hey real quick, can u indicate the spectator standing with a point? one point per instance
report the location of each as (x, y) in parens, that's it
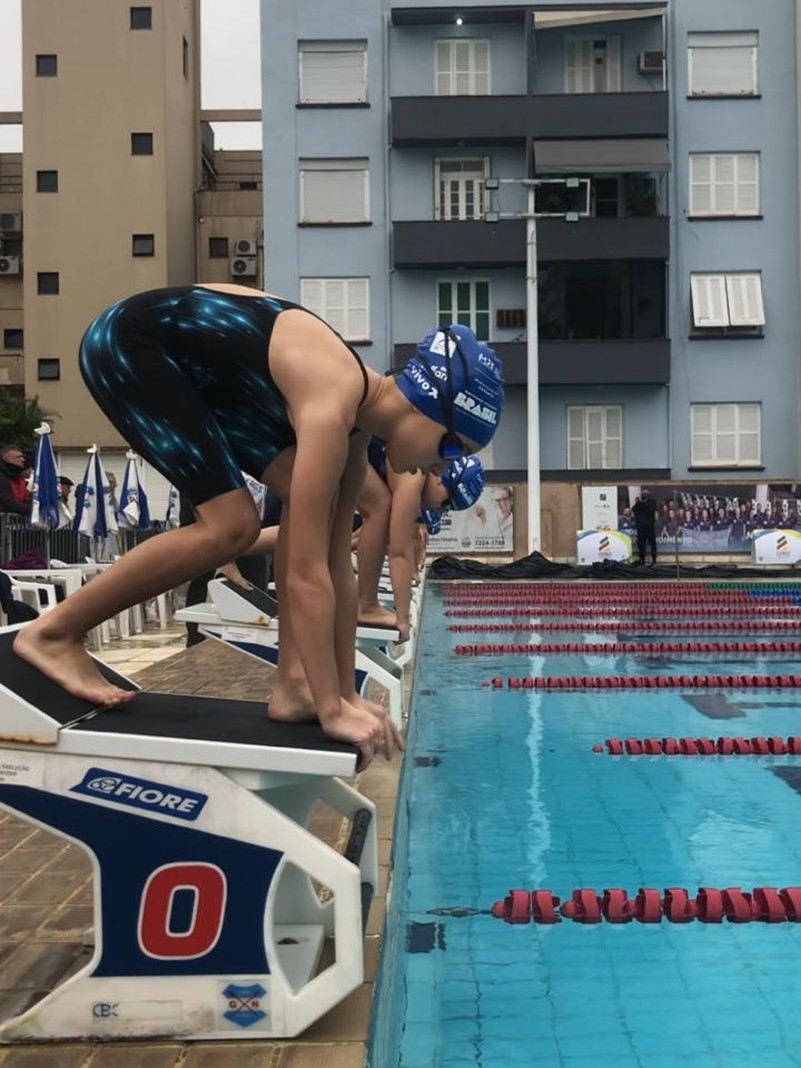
(15, 497)
(644, 512)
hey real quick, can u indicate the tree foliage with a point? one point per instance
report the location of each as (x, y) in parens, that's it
(19, 417)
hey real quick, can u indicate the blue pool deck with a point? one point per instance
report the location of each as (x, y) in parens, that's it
(502, 789)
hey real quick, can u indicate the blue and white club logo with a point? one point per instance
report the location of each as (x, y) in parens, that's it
(103, 785)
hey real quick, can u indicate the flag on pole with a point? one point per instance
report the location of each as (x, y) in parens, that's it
(95, 512)
(133, 511)
(173, 517)
(47, 511)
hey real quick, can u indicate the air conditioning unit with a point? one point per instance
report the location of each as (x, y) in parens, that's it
(243, 266)
(11, 221)
(650, 62)
(245, 248)
(510, 318)
(10, 265)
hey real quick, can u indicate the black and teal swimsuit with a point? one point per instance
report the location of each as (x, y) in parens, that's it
(183, 373)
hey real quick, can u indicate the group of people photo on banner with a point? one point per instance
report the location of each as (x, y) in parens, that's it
(710, 520)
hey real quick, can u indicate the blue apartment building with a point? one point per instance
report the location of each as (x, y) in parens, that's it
(667, 313)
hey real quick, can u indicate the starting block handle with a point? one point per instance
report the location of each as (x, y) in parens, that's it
(353, 852)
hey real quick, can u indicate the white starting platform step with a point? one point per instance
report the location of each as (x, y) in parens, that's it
(247, 621)
(195, 812)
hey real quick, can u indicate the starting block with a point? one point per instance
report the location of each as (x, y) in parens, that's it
(195, 812)
(247, 620)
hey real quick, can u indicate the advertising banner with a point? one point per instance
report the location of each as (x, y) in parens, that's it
(593, 546)
(487, 527)
(598, 507)
(776, 547)
(694, 518)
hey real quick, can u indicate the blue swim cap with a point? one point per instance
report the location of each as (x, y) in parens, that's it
(464, 481)
(457, 381)
(432, 519)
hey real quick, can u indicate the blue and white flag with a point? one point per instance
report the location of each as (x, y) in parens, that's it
(173, 516)
(48, 511)
(133, 509)
(94, 510)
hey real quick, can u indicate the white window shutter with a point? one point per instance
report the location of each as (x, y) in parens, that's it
(311, 295)
(578, 65)
(334, 191)
(442, 73)
(575, 438)
(744, 292)
(613, 64)
(725, 71)
(709, 300)
(747, 184)
(700, 184)
(331, 77)
(723, 184)
(481, 66)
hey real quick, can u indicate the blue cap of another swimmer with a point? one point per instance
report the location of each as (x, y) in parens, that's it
(470, 400)
(464, 481)
(432, 519)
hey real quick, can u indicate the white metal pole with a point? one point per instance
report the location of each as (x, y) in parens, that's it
(532, 377)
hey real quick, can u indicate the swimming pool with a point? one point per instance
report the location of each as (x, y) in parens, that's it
(502, 789)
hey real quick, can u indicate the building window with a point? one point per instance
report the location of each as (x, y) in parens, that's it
(332, 72)
(13, 338)
(722, 64)
(467, 303)
(47, 283)
(344, 303)
(462, 68)
(143, 245)
(248, 186)
(47, 181)
(723, 184)
(459, 188)
(594, 437)
(46, 66)
(218, 248)
(141, 18)
(49, 370)
(727, 304)
(726, 435)
(185, 56)
(592, 64)
(334, 191)
(141, 144)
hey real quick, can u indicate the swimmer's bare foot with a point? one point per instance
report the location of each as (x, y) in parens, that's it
(377, 616)
(291, 702)
(68, 663)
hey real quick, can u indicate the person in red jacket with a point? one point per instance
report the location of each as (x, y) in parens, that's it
(15, 496)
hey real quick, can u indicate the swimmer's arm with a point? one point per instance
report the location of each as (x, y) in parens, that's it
(345, 589)
(406, 492)
(320, 460)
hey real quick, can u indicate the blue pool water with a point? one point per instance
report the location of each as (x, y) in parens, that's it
(501, 789)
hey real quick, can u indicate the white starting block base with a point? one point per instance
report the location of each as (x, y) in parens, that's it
(246, 620)
(207, 922)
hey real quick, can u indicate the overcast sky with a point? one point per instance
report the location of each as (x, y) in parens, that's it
(229, 67)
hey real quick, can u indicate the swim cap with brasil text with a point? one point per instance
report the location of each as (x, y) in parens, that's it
(457, 381)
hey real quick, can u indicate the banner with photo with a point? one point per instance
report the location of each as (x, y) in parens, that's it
(487, 527)
(695, 518)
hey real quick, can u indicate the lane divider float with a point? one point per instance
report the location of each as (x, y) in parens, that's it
(760, 745)
(645, 682)
(532, 649)
(763, 904)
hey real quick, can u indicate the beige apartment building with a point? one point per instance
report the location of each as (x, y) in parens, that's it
(119, 189)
